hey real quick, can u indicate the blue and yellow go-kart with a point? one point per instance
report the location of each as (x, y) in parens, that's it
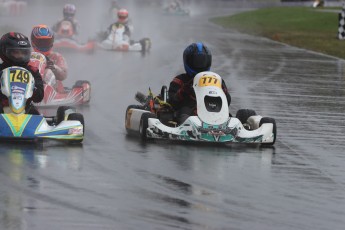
(17, 85)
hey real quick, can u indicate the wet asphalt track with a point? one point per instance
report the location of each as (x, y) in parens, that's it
(116, 182)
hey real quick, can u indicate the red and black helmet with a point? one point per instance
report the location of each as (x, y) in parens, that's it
(15, 49)
(42, 39)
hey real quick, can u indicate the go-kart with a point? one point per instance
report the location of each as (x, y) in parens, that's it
(55, 94)
(17, 84)
(118, 41)
(177, 11)
(65, 40)
(155, 119)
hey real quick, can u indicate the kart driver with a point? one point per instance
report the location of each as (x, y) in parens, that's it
(42, 40)
(122, 18)
(15, 50)
(69, 11)
(196, 58)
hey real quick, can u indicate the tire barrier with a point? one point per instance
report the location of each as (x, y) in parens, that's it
(341, 27)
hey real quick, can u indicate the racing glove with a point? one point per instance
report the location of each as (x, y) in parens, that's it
(50, 64)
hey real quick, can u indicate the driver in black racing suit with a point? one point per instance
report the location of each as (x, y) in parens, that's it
(196, 58)
(15, 50)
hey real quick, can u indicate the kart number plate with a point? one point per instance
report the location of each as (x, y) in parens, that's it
(209, 81)
(19, 75)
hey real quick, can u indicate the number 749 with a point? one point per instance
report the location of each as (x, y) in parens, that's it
(17, 75)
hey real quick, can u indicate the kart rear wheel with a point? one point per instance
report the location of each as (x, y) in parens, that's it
(144, 125)
(81, 84)
(61, 112)
(145, 45)
(77, 117)
(265, 120)
(127, 119)
(244, 114)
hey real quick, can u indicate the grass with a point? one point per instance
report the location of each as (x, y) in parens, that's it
(304, 27)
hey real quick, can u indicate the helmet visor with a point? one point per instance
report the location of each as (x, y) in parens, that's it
(43, 45)
(42, 49)
(200, 62)
(68, 15)
(18, 55)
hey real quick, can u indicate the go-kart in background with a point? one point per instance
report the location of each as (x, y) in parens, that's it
(116, 182)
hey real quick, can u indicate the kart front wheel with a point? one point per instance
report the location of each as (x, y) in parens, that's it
(244, 114)
(269, 120)
(64, 111)
(77, 117)
(144, 124)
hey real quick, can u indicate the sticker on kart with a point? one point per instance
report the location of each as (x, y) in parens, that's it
(208, 80)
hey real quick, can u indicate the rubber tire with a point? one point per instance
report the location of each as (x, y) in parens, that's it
(265, 120)
(163, 90)
(145, 44)
(77, 117)
(60, 114)
(128, 108)
(79, 84)
(244, 114)
(144, 125)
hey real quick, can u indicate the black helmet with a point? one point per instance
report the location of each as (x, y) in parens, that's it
(15, 49)
(196, 58)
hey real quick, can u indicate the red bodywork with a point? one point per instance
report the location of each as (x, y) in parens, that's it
(70, 44)
(55, 94)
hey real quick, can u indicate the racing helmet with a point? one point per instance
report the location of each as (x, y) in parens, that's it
(122, 15)
(42, 39)
(15, 49)
(196, 58)
(69, 11)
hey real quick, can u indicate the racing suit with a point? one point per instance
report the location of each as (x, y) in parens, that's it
(182, 96)
(117, 37)
(37, 95)
(58, 65)
(128, 28)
